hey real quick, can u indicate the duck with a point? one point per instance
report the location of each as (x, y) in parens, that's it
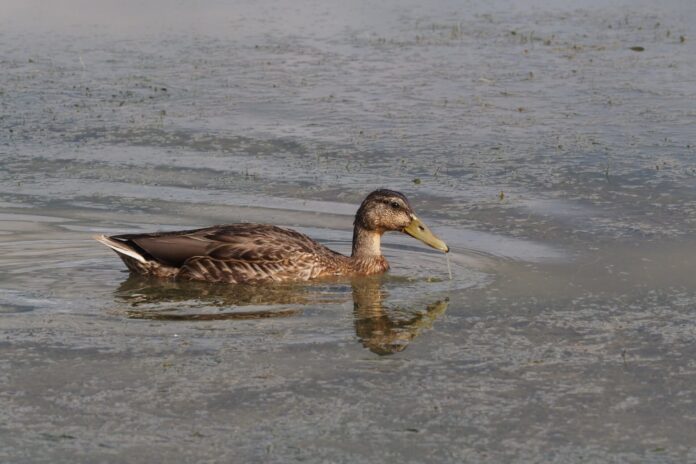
(246, 253)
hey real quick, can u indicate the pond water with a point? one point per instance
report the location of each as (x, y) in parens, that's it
(550, 144)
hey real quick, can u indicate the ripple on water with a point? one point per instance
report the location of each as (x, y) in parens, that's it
(12, 301)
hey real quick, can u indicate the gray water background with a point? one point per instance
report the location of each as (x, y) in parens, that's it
(555, 158)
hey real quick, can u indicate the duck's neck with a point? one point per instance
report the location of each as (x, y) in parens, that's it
(367, 254)
(366, 243)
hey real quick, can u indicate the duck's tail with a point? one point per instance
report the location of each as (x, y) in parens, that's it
(134, 260)
(120, 247)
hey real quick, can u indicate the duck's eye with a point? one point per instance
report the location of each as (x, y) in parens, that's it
(395, 205)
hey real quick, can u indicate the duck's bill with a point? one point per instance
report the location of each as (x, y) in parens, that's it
(417, 229)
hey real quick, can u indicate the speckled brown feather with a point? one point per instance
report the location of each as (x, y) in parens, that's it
(235, 253)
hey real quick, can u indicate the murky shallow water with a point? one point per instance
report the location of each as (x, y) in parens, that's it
(555, 161)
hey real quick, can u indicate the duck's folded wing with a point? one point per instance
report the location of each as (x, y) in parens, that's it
(261, 243)
(245, 242)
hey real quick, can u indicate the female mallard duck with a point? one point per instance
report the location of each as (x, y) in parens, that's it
(255, 253)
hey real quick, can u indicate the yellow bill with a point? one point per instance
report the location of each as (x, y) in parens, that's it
(417, 229)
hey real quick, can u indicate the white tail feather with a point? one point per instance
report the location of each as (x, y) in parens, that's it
(119, 247)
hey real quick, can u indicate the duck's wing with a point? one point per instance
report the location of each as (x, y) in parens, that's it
(254, 242)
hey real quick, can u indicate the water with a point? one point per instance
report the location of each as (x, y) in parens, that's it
(555, 161)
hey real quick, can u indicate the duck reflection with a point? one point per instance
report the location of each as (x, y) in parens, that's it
(150, 298)
(386, 329)
(381, 327)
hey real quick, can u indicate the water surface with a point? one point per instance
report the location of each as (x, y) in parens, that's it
(554, 158)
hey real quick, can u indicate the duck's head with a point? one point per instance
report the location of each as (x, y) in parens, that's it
(386, 210)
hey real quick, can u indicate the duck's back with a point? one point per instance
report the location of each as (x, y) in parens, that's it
(235, 253)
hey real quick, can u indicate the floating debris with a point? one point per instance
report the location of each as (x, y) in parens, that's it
(638, 49)
(417, 181)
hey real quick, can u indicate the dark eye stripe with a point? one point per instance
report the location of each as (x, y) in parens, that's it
(395, 205)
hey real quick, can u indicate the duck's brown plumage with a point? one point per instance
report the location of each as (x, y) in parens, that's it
(253, 253)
